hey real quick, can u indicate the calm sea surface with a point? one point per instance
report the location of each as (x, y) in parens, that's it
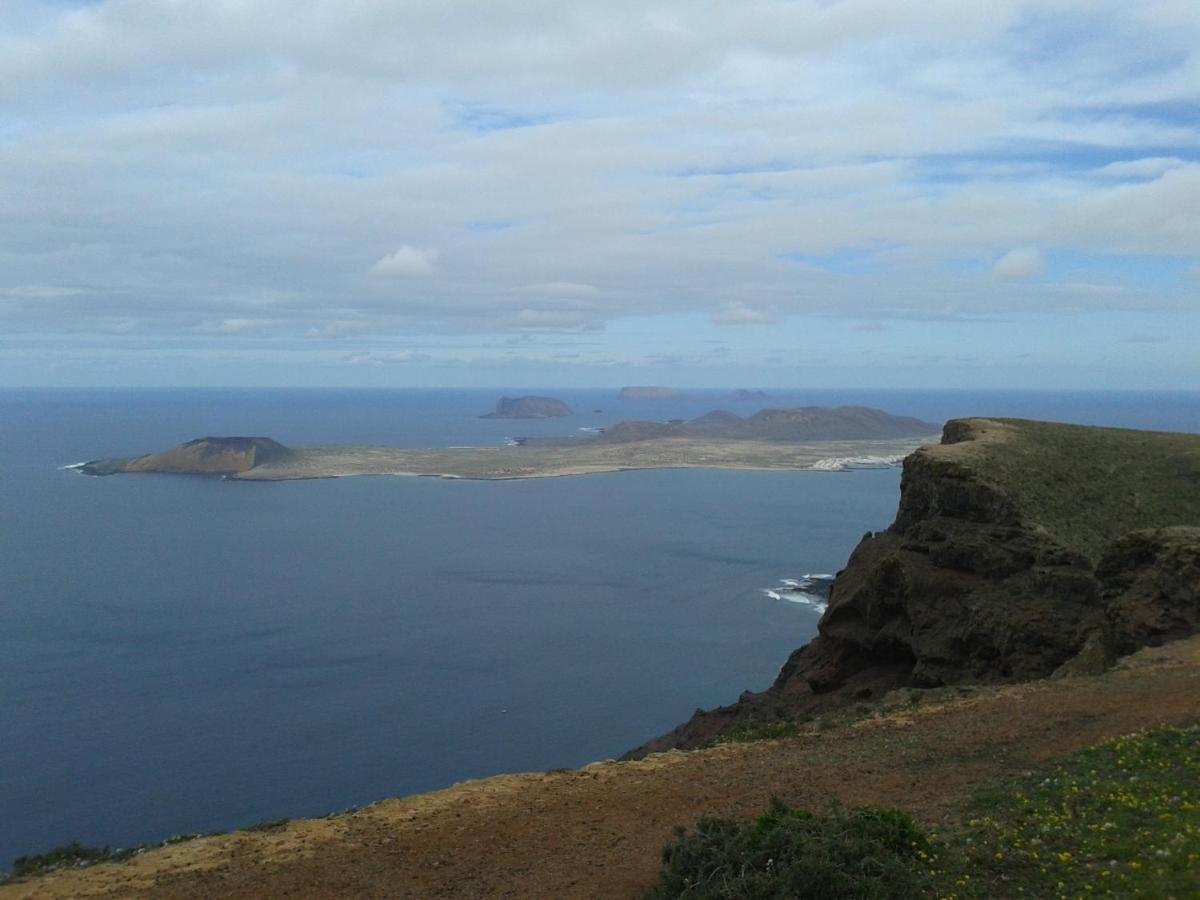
(186, 654)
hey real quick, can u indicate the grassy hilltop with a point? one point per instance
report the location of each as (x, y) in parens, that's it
(1086, 485)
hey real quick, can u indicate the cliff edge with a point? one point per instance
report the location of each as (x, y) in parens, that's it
(1020, 550)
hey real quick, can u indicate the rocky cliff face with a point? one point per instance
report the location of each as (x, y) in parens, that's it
(990, 571)
(203, 456)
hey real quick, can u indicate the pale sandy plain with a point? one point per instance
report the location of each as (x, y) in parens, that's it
(543, 461)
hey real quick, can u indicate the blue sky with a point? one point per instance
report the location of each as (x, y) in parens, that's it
(859, 193)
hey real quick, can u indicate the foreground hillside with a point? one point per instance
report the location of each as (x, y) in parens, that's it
(597, 832)
(1019, 549)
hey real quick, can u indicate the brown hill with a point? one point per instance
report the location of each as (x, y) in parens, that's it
(203, 456)
(630, 430)
(842, 423)
(800, 425)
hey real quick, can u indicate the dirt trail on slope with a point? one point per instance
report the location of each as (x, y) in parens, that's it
(597, 832)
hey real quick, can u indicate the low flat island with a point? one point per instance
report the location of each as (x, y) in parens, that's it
(800, 439)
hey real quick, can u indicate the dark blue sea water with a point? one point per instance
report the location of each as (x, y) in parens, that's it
(185, 654)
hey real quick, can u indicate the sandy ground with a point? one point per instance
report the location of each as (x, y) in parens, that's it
(539, 461)
(596, 832)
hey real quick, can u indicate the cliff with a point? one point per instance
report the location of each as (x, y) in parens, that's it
(203, 456)
(1020, 550)
(528, 408)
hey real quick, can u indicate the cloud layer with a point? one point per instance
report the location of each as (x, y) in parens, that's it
(360, 168)
(1024, 262)
(406, 262)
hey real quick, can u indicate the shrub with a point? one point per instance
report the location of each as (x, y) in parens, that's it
(873, 854)
(749, 733)
(72, 854)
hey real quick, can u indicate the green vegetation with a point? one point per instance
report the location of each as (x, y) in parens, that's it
(72, 854)
(76, 855)
(1089, 485)
(1121, 819)
(746, 734)
(268, 825)
(874, 854)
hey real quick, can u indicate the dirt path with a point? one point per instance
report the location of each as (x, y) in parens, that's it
(596, 832)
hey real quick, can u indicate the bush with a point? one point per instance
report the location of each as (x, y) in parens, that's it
(746, 734)
(873, 854)
(72, 854)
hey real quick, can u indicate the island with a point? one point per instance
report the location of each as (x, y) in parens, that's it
(804, 438)
(528, 408)
(743, 395)
(647, 392)
(657, 392)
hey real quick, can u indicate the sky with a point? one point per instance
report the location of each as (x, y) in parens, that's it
(764, 193)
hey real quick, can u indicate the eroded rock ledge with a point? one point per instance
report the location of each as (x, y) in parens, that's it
(1020, 549)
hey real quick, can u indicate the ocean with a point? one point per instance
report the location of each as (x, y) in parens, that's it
(182, 654)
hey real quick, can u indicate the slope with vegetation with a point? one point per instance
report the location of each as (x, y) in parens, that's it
(598, 832)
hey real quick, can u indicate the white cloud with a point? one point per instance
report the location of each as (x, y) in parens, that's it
(1024, 262)
(738, 313)
(565, 289)
(550, 318)
(239, 326)
(386, 358)
(406, 262)
(1147, 167)
(577, 164)
(39, 292)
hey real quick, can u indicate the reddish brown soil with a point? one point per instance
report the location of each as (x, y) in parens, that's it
(596, 832)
